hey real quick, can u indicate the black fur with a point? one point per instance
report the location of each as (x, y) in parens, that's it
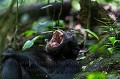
(37, 63)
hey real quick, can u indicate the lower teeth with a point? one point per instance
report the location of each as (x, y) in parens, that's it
(54, 44)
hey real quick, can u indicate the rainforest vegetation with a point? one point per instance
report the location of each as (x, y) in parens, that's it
(59, 39)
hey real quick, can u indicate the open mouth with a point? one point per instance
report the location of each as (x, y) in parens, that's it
(56, 39)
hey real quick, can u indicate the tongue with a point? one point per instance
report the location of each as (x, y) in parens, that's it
(55, 44)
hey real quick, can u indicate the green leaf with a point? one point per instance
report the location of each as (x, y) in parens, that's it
(112, 40)
(96, 75)
(29, 32)
(103, 49)
(110, 50)
(37, 37)
(81, 58)
(93, 48)
(83, 68)
(28, 44)
(92, 33)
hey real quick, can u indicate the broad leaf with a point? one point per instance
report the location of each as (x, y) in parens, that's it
(29, 32)
(92, 33)
(37, 37)
(110, 50)
(112, 40)
(96, 75)
(28, 44)
(93, 48)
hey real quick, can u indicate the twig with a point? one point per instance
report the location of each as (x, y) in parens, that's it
(16, 28)
(60, 13)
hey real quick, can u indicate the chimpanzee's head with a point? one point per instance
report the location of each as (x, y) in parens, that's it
(63, 43)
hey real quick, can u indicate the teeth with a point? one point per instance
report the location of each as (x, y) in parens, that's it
(49, 44)
(54, 44)
(56, 39)
(61, 35)
(58, 32)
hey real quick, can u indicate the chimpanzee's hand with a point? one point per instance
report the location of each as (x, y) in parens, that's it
(9, 52)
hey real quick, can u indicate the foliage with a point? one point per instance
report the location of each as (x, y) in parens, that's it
(30, 43)
(45, 24)
(4, 4)
(112, 44)
(92, 33)
(29, 33)
(96, 75)
(101, 53)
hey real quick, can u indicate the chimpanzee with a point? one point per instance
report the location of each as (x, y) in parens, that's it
(56, 61)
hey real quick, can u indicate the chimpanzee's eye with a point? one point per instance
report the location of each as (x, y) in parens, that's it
(70, 34)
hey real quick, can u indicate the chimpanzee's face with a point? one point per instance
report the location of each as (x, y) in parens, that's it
(58, 39)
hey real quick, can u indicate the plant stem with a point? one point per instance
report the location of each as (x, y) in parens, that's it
(89, 14)
(54, 11)
(48, 13)
(16, 28)
(60, 13)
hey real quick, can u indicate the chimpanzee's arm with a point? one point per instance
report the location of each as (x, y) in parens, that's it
(11, 69)
(61, 54)
(27, 62)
